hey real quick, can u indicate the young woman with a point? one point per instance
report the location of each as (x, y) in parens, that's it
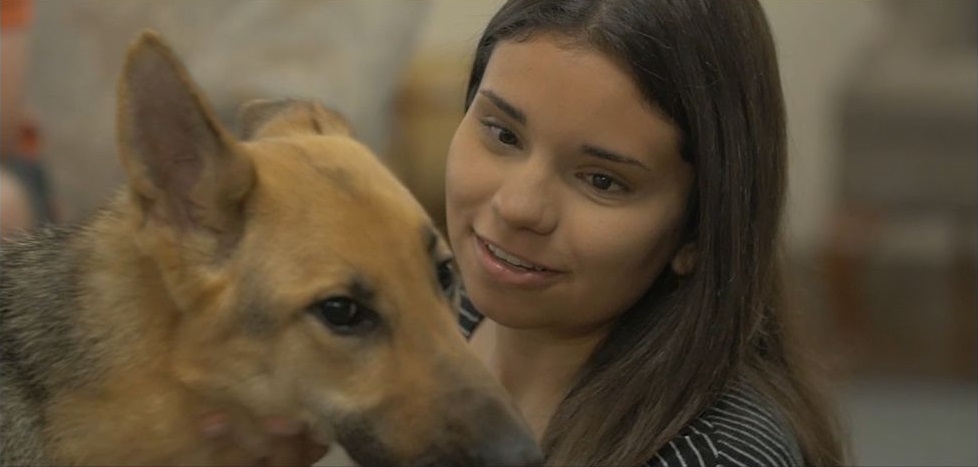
(614, 198)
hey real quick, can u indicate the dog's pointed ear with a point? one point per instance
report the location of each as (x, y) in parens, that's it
(264, 118)
(183, 167)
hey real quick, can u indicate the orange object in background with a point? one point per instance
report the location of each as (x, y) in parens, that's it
(15, 13)
(20, 143)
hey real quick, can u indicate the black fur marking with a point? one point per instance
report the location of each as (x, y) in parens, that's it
(43, 349)
(361, 291)
(338, 177)
(316, 126)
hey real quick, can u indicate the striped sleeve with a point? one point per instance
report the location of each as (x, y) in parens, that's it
(468, 317)
(750, 432)
(694, 448)
(738, 430)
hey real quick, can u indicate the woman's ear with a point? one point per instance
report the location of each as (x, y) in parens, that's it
(684, 261)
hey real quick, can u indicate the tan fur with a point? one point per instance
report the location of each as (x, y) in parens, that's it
(196, 285)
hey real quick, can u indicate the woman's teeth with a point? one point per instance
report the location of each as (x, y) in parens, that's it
(508, 258)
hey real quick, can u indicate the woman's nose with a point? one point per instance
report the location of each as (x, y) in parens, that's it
(525, 200)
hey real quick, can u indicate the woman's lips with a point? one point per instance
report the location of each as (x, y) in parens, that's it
(506, 268)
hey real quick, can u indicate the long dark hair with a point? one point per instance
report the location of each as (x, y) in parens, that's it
(711, 66)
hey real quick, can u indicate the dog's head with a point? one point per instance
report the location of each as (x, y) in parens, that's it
(307, 280)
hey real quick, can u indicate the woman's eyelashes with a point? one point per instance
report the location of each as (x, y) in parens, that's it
(500, 135)
(603, 183)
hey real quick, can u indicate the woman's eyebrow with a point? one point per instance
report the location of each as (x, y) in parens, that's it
(509, 109)
(611, 156)
(519, 116)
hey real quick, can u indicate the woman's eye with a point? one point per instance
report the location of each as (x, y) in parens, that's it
(344, 315)
(502, 135)
(602, 182)
(508, 138)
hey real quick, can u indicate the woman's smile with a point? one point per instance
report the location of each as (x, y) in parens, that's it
(510, 269)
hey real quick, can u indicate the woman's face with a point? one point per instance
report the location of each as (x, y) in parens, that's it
(566, 192)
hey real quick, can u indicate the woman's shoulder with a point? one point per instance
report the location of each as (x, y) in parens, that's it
(740, 429)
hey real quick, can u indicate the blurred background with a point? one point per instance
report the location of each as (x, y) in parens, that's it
(882, 100)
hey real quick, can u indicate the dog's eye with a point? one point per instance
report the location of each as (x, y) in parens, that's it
(446, 275)
(345, 316)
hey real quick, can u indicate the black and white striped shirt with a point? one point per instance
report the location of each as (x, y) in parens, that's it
(739, 429)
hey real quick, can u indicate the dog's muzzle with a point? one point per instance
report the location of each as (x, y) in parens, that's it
(475, 430)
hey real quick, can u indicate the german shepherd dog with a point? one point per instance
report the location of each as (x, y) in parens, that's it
(283, 271)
